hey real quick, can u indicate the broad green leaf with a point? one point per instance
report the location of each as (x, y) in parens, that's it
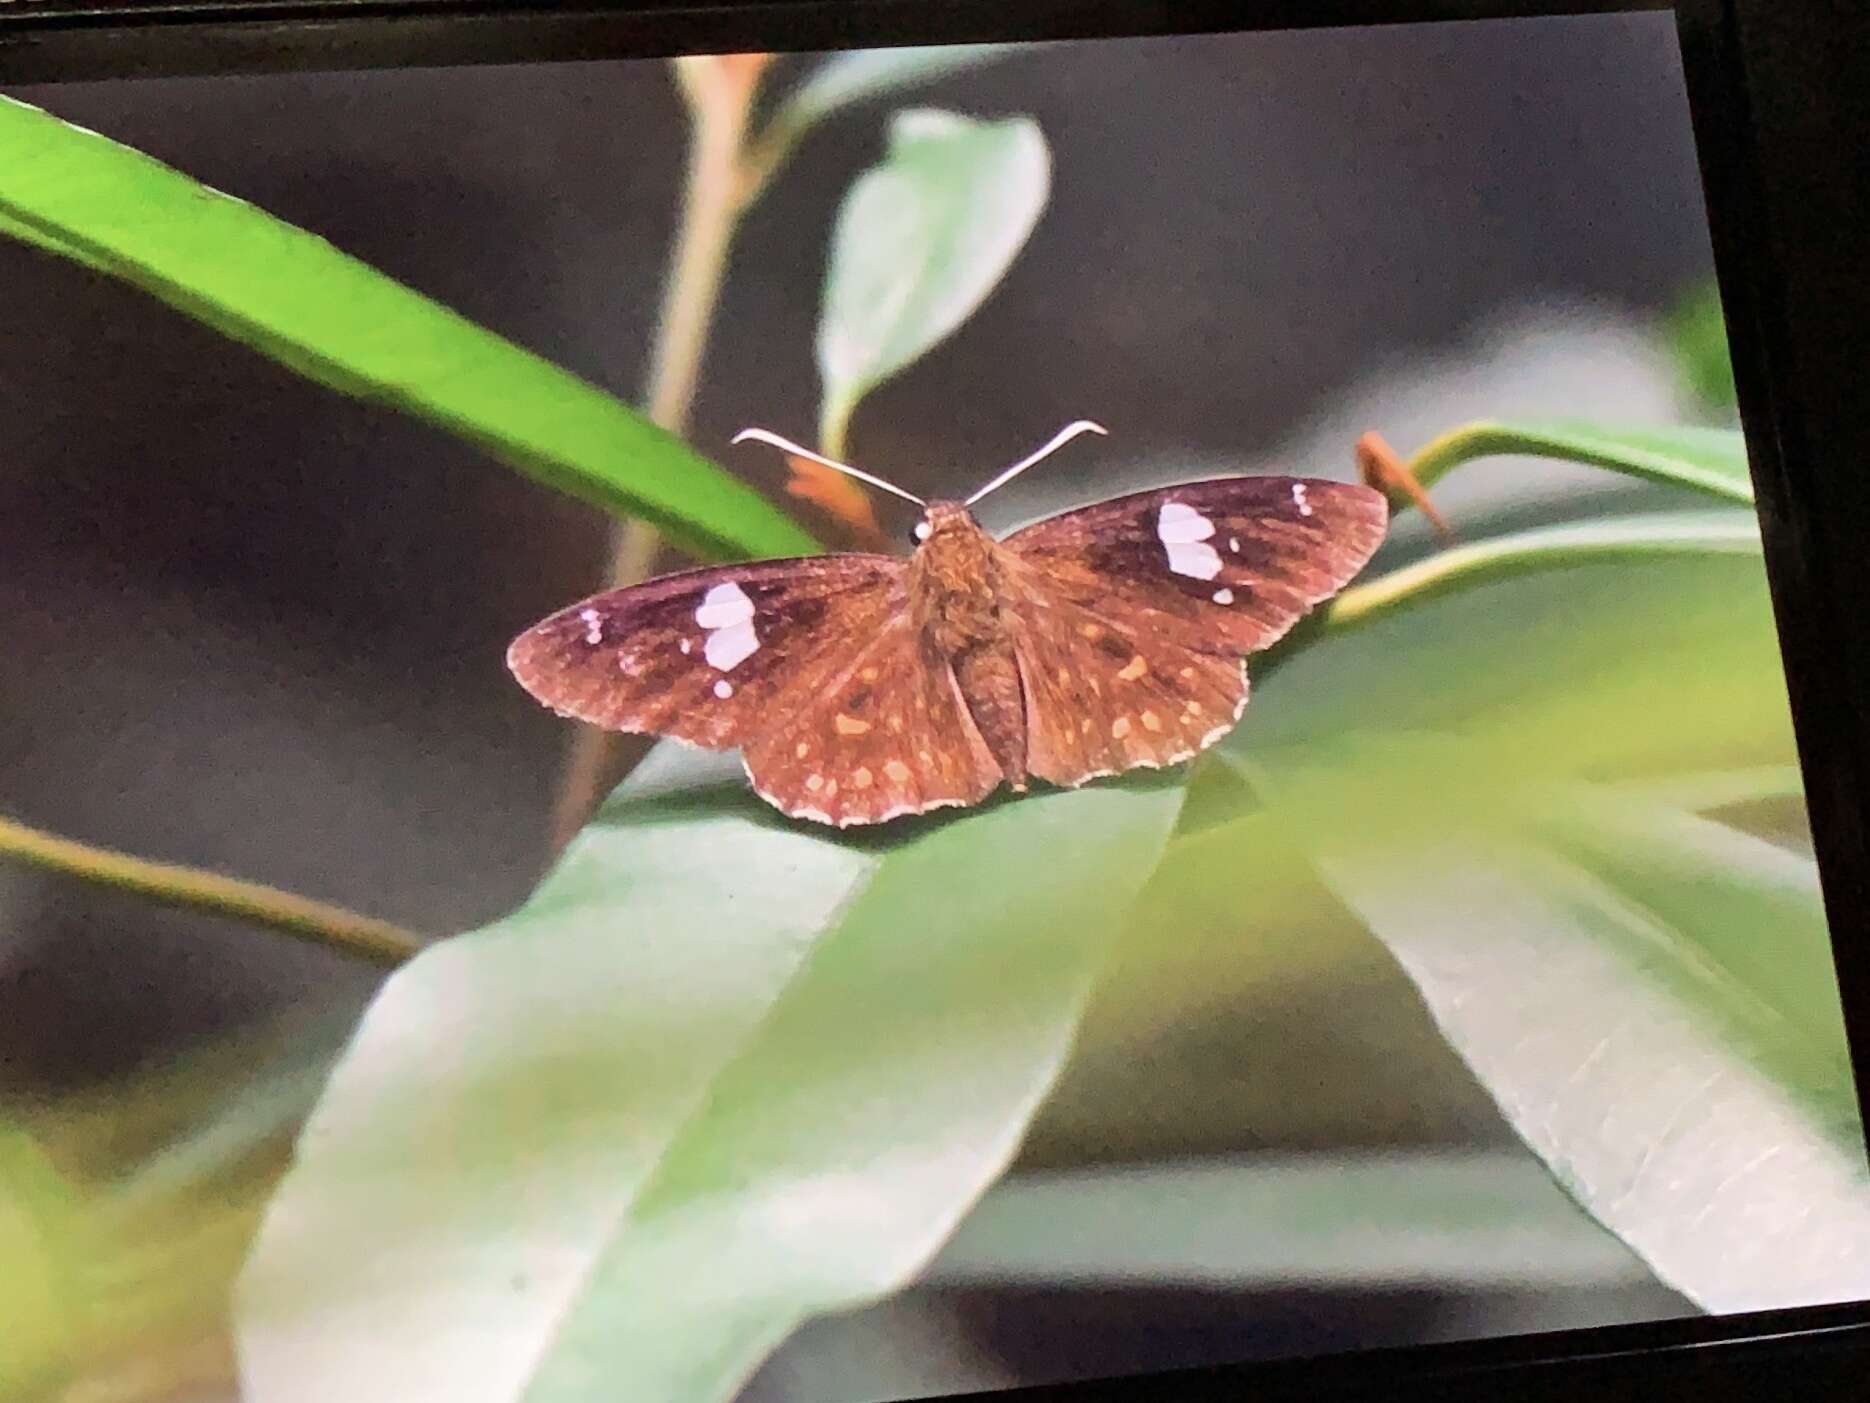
(1705, 460)
(1675, 1103)
(295, 298)
(38, 1246)
(1462, 1220)
(921, 240)
(723, 1071)
(1646, 993)
(1749, 910)
(848, 79)
(1610, 668)
(1270, 988)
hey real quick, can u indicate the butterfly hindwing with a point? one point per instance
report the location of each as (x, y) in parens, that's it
(705, 655)
(887, 733)
(1101, 699)
(1130, 618)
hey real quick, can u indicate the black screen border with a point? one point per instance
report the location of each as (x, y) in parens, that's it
(1779, 93)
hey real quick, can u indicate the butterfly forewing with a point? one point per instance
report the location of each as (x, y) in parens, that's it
(705, 655)
(1224, 566)
(1130, 617)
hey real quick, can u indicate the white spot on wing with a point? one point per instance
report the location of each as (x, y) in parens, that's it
(724, 606)
(1298, 499)
(1177, 523)
(1196, 559)
(1223, 596)
(730, 646)
(593, 626)
(727, 614)
(687, 647)
(723, 689)
(1184, 533)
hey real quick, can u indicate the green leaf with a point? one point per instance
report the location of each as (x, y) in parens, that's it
(722, 1072)
(1705, 460)
(1460, 1220)
(1697, 335)
(38, 1242)
(295, 298)
(1646, 993)
(852, 78)
(1660, 1082)
(921, 240)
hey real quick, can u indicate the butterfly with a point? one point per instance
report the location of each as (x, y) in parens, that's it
(860, 687)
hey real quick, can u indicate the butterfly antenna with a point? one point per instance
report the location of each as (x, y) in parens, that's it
(788, 446)
(1059, 439)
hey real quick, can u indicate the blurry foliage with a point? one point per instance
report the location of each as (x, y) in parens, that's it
(126, 1213)
(1696, 333)
(37, 1217)
(921, 240)
(723, 1071)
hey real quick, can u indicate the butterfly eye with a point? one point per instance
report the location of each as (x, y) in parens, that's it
(920, 534)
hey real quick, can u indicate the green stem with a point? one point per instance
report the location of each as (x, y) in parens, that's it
(190, 889)
(1484, 438)
(1548, 548)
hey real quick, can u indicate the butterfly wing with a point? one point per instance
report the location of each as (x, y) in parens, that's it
(886, 734)
(810, 666)
(704, 655)
(1131, 617)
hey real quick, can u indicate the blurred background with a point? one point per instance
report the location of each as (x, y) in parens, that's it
(254, 626)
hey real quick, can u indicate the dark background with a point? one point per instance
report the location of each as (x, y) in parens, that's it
(251, 625)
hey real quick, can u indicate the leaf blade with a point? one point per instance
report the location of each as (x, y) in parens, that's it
(1670, 1079)
(851, 78)
(749, 937)
(921, 240)
(1710, 461)
(1726, 1144)
(297, 299)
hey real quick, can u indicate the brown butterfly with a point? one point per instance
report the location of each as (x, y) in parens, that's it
(860, 687)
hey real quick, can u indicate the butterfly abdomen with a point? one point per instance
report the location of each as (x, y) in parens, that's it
(956, 591)
(990, 684)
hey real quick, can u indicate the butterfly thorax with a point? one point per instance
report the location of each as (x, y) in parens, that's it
(957, 585)
(954, 582)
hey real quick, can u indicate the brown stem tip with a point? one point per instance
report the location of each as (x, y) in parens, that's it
(1383, 468)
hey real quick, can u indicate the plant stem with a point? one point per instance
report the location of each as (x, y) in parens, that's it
(719, 93)
(190, 889)
(1544, 548)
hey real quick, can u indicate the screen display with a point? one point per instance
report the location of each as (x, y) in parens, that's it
(821, 727)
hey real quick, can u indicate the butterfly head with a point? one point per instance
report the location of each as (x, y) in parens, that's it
(943, 519)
